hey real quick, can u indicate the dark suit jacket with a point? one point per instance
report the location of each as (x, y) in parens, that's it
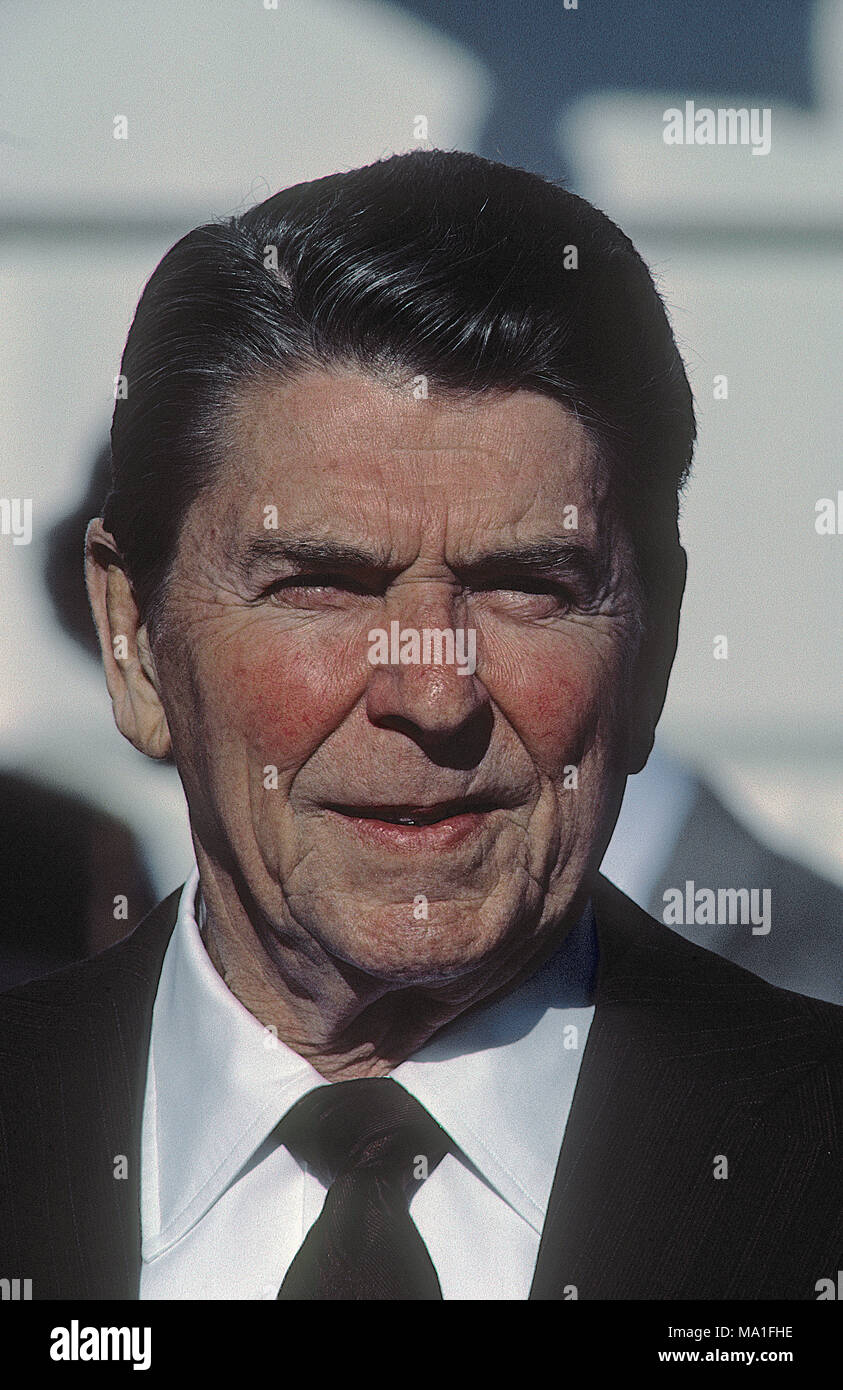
(690, 1060)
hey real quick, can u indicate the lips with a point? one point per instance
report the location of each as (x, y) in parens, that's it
(412, 814)
(409, 827)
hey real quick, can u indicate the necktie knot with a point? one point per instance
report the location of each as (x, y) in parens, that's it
(368, 1124)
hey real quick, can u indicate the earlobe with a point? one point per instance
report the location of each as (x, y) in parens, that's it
(127, 659)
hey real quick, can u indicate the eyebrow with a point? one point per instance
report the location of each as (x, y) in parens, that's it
(545, 556)
(264, 552)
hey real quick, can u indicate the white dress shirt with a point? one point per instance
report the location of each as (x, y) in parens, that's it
(225, 1207)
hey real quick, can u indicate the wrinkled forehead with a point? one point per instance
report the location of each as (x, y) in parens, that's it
(341, 453)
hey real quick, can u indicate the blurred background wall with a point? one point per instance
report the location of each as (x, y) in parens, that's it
(224, 101)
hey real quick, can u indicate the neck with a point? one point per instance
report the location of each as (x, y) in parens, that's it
(345, 1023)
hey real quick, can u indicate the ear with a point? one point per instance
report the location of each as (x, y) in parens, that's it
(126, 655)
(655, 661)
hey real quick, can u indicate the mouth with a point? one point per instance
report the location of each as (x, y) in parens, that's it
(411, 826)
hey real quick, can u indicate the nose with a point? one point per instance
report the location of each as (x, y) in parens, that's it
(435, 701)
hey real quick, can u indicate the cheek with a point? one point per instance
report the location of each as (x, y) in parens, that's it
(284, 700)
(558, 704)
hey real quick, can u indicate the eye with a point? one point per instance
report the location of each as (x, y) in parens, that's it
(534, 596)
(304, 590)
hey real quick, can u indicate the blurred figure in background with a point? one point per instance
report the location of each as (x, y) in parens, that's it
(674, 829)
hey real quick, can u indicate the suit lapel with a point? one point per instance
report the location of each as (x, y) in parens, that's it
(75, 1085)
(683, 1059)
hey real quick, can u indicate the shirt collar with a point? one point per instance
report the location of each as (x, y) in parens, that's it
(501, 1078)
(218, 1081)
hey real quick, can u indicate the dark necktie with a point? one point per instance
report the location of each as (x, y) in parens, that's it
(374, 1143)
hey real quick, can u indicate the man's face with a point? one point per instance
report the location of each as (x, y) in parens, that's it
(345, 506)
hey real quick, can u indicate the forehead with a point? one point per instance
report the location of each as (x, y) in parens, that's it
(342, 447)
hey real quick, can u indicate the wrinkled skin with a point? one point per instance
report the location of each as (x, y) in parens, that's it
(261, 663)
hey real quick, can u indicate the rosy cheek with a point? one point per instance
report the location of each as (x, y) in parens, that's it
(553, 708)
(283, 703)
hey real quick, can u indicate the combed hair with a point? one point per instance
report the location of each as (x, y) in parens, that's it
(433, 263)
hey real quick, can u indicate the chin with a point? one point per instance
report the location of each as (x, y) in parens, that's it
(395, 946)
